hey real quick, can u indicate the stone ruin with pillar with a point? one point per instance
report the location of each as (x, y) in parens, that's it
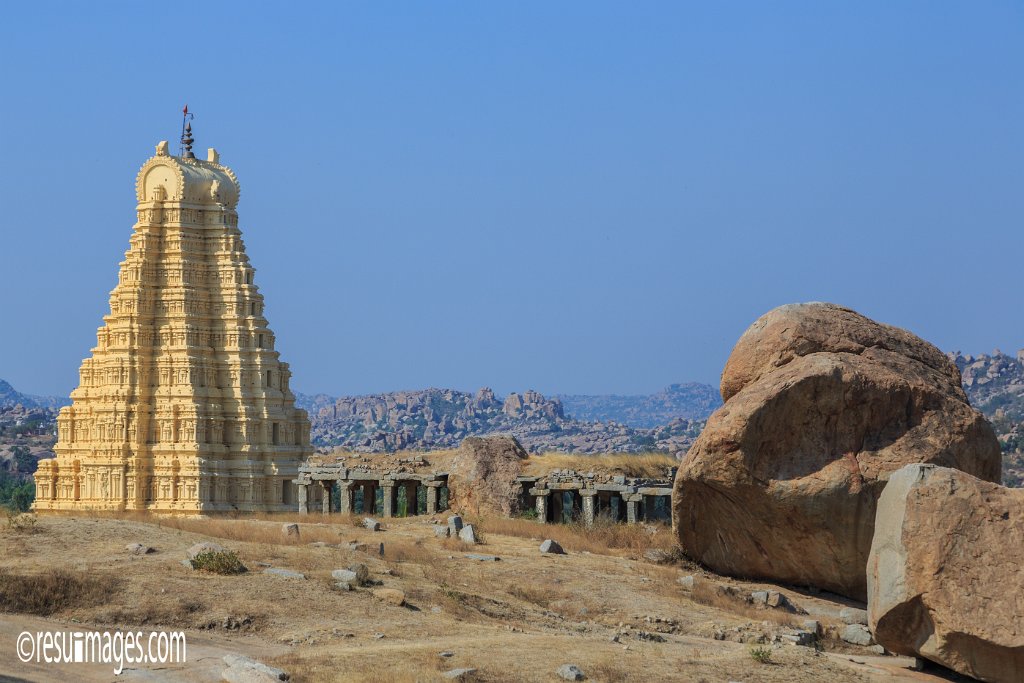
(184, 405)
(407, 488)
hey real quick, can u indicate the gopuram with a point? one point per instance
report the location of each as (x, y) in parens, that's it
(184, 405)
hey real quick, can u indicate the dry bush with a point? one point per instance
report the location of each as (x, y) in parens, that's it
(154, 610)
(224, 562)
(53, 590)
(415, 552)
(628, 464)
(540, 594)
(21, 522)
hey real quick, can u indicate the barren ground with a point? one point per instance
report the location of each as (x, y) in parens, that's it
(517, 619)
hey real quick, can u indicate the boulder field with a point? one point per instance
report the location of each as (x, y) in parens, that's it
(944, 577)
(821, 405)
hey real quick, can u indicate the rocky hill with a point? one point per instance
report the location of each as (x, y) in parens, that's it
(995, 386)
(10, 397)
(692, 401)
(441, 418)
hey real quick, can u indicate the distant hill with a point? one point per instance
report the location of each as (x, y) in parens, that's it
(440, 418)
(9, 397)
(691, 401)
(995, 386)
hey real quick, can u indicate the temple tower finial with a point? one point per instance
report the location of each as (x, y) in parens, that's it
(186, 134)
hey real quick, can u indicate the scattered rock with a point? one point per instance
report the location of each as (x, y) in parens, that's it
(822, 405)
(392, 596)
(454, 525)
(467, 534)
(284, 573)
(345, 575)
(686, 582)
(658, 556)
(343, 586)
(877, 649)
(944, 572)
(570, 672)
(442, 531)
(551, 547)
(812, 625)
(362, 573)
(458, 674)
(856, 634)
(446, 654)
(371, 524)
(204, 547)
(852, 615)
(138, 549)
(247, 670)
(482, 558)
(482, 477)
(290, 529)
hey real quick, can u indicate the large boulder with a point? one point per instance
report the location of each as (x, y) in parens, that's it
(944, 578)
(822, 404)
(482, 476)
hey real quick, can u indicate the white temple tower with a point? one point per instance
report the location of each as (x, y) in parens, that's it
(184, 406)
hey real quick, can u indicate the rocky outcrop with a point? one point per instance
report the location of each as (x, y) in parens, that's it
(691, 401)
(441, 418)
(482, 477)
(944, 578)
(822, 404)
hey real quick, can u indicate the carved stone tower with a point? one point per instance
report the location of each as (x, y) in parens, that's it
(184, 405)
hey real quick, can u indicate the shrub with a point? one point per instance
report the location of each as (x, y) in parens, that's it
(53, 590)
(219, 562)
(21, 522)
(761, 655)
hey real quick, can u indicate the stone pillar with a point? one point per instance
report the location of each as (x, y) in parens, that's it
(589, 507)
(432, 500)
(303, 490)
(632, 510)
(369, 498)
(542, 505)
(326, 503)
(389, 499)
(345, 489)
(412, 503)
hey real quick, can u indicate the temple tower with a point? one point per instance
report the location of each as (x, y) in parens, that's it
(184, 406)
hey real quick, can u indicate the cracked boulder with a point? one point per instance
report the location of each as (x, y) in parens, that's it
(944, 578)
(821, 406)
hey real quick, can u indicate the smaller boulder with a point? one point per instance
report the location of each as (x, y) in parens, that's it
(467, 534)
(455, 525)
(857, 634)
(551, 547)
(852, 615)
(290, 530)
(138, 549)
(371, 524)
(482, 558)
(570, 672)
(458, 674)
(442, 531)
(686, 582)
(245, 669)
(392, 596)
(345, 575)
(362, 573)
(284, 573)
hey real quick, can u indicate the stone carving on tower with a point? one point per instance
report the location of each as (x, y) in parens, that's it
(184, 406)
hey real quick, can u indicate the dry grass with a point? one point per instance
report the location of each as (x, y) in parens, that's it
(53, 590)
(628, 464)
(604, 537)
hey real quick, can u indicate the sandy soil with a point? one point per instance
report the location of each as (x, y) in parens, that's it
(517, 619)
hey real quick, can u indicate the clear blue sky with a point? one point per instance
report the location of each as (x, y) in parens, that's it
(572, 197)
